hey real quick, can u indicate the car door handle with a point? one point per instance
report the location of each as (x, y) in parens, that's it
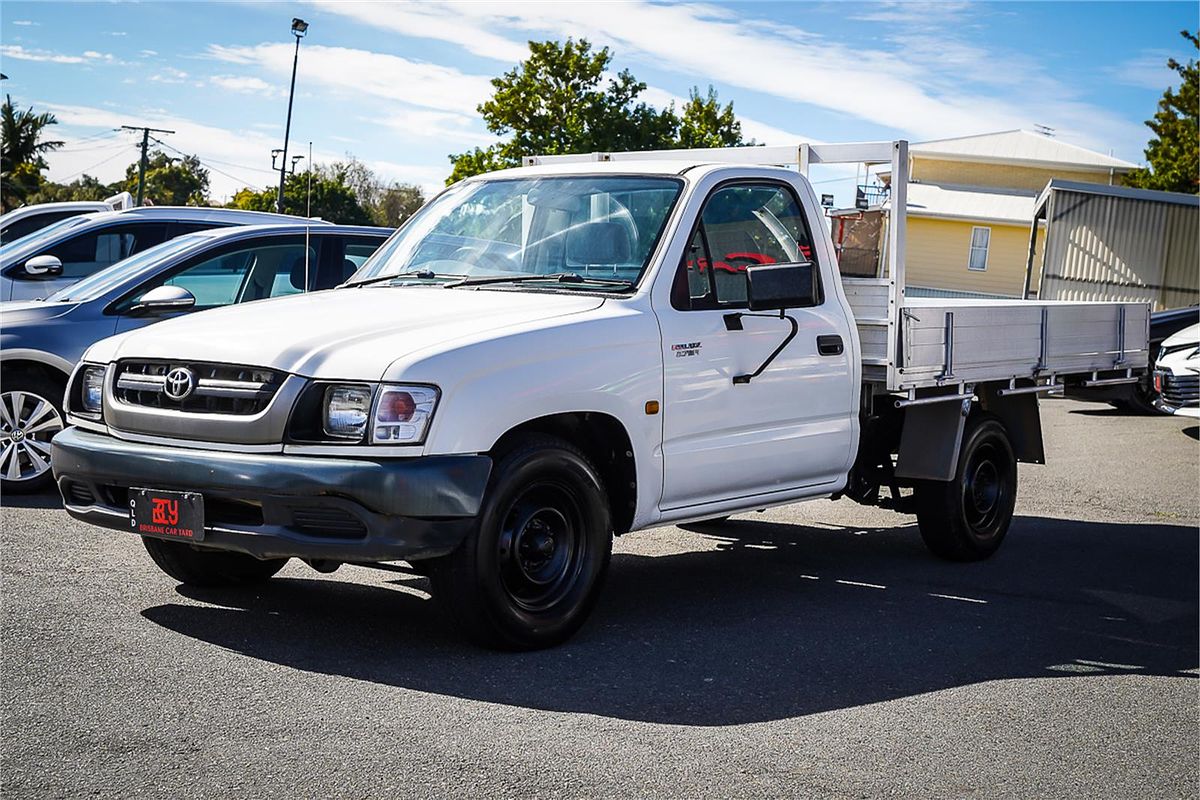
(829, 345)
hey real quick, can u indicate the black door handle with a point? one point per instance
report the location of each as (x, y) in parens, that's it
(829, 345)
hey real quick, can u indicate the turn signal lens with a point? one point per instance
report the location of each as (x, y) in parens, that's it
(92, 395)
(347, 409)
(402, 414)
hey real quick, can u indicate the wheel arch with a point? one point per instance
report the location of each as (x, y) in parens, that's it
(605, 441)
(47, 365)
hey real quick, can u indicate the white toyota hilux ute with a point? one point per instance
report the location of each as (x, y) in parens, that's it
(547, 356)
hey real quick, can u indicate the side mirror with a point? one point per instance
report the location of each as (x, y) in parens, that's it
(43, 267)
(775, 287)
(162, 299)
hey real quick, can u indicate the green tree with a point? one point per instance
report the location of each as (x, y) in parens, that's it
(170, 181)
(705, 123)
(1174, 150)
(332, 198)
(83, 188)
(559, 101)
(396, 203)
(22, 152)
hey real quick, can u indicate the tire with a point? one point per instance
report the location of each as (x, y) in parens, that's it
(197, 567)
(967, 518)
(529, 574)
(30, 415)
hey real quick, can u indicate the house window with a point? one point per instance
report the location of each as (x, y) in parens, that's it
(980, 238)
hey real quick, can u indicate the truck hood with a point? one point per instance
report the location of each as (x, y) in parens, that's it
(346, 333)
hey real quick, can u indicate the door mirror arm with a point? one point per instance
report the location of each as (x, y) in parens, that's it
(733, 322)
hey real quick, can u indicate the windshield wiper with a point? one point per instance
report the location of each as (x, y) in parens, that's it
(423, 274)
(558, 277)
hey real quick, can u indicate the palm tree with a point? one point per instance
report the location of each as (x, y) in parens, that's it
(22, 151)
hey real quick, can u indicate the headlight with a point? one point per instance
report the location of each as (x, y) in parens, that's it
(92, 389)
(347, 409)
(402, 414)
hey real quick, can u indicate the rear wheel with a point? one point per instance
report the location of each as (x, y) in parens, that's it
(967, 518)
(30, 416)
(197, 567)
(529, 574)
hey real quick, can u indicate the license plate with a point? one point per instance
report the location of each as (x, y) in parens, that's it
(170, 515)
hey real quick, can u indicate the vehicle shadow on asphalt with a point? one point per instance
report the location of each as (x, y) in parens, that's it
(47, 498)
(777, 621)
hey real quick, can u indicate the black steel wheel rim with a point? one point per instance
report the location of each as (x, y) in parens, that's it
(985, 489)
(541, 548)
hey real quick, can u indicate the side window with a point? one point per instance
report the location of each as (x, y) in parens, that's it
(980, 239)
(92, 251)
(740, 226)
(247, 273)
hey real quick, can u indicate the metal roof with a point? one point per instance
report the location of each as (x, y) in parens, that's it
(948, 201)
(1018, 146)
(1127, 192)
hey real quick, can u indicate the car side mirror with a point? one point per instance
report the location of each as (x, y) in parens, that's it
(44, 266)
(162, 299)
(775, 287)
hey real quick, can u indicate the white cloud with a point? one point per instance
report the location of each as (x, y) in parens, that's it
(903, 82)
(169, 75)
(18, 52)
(378, 74)
(430, 22)
(234, 158)
(148, 53)
(117, 33)
(1146, 71)
(25, 22)
(243, 84)
(443, 126)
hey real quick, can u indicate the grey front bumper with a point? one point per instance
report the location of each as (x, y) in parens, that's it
(275, 505)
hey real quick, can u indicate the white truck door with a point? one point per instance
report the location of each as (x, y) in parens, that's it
(790, 427)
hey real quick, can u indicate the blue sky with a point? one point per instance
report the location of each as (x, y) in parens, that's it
(397, 84)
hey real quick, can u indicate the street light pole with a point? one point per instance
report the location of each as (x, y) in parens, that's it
(299, 29)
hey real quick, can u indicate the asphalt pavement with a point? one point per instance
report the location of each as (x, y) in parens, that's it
(809, 651)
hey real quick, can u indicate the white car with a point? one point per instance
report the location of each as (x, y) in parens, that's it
(30, 219)
(544, 357)
(1177, 374)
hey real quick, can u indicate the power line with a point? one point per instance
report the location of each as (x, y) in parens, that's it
(207, 162)
(93, 166)
(142, 164)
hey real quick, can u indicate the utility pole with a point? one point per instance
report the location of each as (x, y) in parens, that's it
(145, 161)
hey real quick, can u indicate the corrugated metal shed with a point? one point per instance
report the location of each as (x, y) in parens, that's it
(1118, 244)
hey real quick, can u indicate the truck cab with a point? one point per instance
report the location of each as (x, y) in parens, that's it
(540, 359)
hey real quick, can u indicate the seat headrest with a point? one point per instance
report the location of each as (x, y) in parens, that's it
(598, 244)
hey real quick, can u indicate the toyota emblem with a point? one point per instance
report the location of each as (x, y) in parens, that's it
(179, 383)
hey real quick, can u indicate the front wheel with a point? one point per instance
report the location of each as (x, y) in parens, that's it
(30, 416)
(529, 574)
(198, 567)
(966, 519)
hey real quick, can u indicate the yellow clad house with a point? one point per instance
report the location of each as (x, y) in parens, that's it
(971, 205)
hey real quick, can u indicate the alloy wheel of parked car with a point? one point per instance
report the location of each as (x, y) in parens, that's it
(28, 420)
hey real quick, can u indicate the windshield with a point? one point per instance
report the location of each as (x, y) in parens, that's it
(100, 283)
(49, 230)
(602, 229)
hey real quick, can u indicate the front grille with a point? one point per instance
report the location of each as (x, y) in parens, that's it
(1180, 390)
(332, 523)
(216, 388)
